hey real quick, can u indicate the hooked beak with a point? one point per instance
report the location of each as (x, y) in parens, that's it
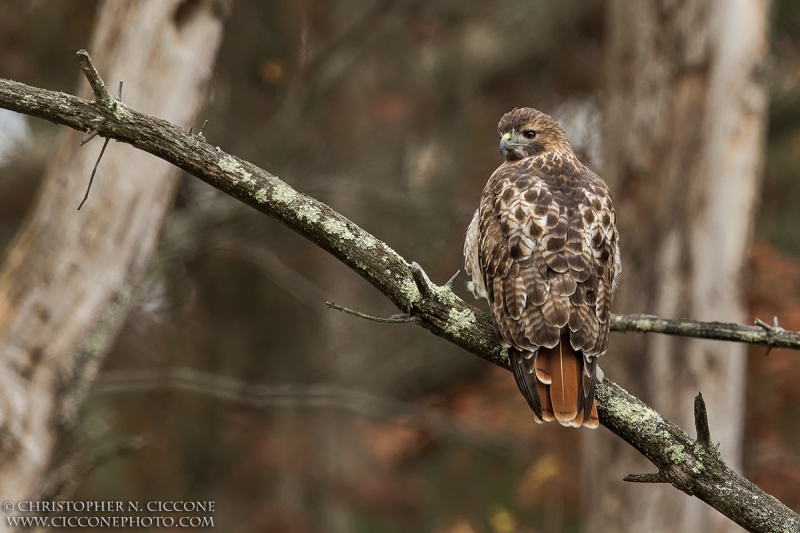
(505, 145)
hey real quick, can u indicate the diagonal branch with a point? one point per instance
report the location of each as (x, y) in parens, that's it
(682, 461)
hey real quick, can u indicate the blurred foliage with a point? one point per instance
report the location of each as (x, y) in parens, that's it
(386, 110)
(772, 449)
(779, 218)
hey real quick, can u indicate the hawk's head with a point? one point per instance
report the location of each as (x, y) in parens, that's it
(525, 132)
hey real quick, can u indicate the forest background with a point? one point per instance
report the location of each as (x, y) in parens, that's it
(387, 112)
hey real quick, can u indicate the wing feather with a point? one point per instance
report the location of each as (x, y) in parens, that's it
(472, 263)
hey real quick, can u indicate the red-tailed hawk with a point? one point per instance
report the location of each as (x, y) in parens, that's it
(542, 248)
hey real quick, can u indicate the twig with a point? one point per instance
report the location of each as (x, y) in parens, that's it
(421, 279)
(93, 77)
(771, 330)
(394, 319)
(94, 171)
(101, 95)
(92, 135)
(763, 325)
(701, 422)
(645, 478)
(452, 280)
(763, 334)
(202, 129)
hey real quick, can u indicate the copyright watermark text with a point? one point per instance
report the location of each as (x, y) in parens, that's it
(109, 514)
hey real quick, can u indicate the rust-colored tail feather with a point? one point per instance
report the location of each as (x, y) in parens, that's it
(565, 370)
(544, 397)
(558, 383)
(592, 421)
(542, 366)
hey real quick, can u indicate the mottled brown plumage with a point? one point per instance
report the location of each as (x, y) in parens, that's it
(542, 248)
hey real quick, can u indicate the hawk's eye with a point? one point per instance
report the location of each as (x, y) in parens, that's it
(530, 134)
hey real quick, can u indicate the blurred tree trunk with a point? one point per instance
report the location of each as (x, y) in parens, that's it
(67, 280)
(685, 122)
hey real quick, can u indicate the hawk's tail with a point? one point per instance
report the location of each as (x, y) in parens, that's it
(559, 383)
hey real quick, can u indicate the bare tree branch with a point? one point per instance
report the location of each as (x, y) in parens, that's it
(771, 336)
(682, 461)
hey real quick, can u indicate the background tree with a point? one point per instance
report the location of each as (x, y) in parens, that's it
(70, 276)
(685, 123)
